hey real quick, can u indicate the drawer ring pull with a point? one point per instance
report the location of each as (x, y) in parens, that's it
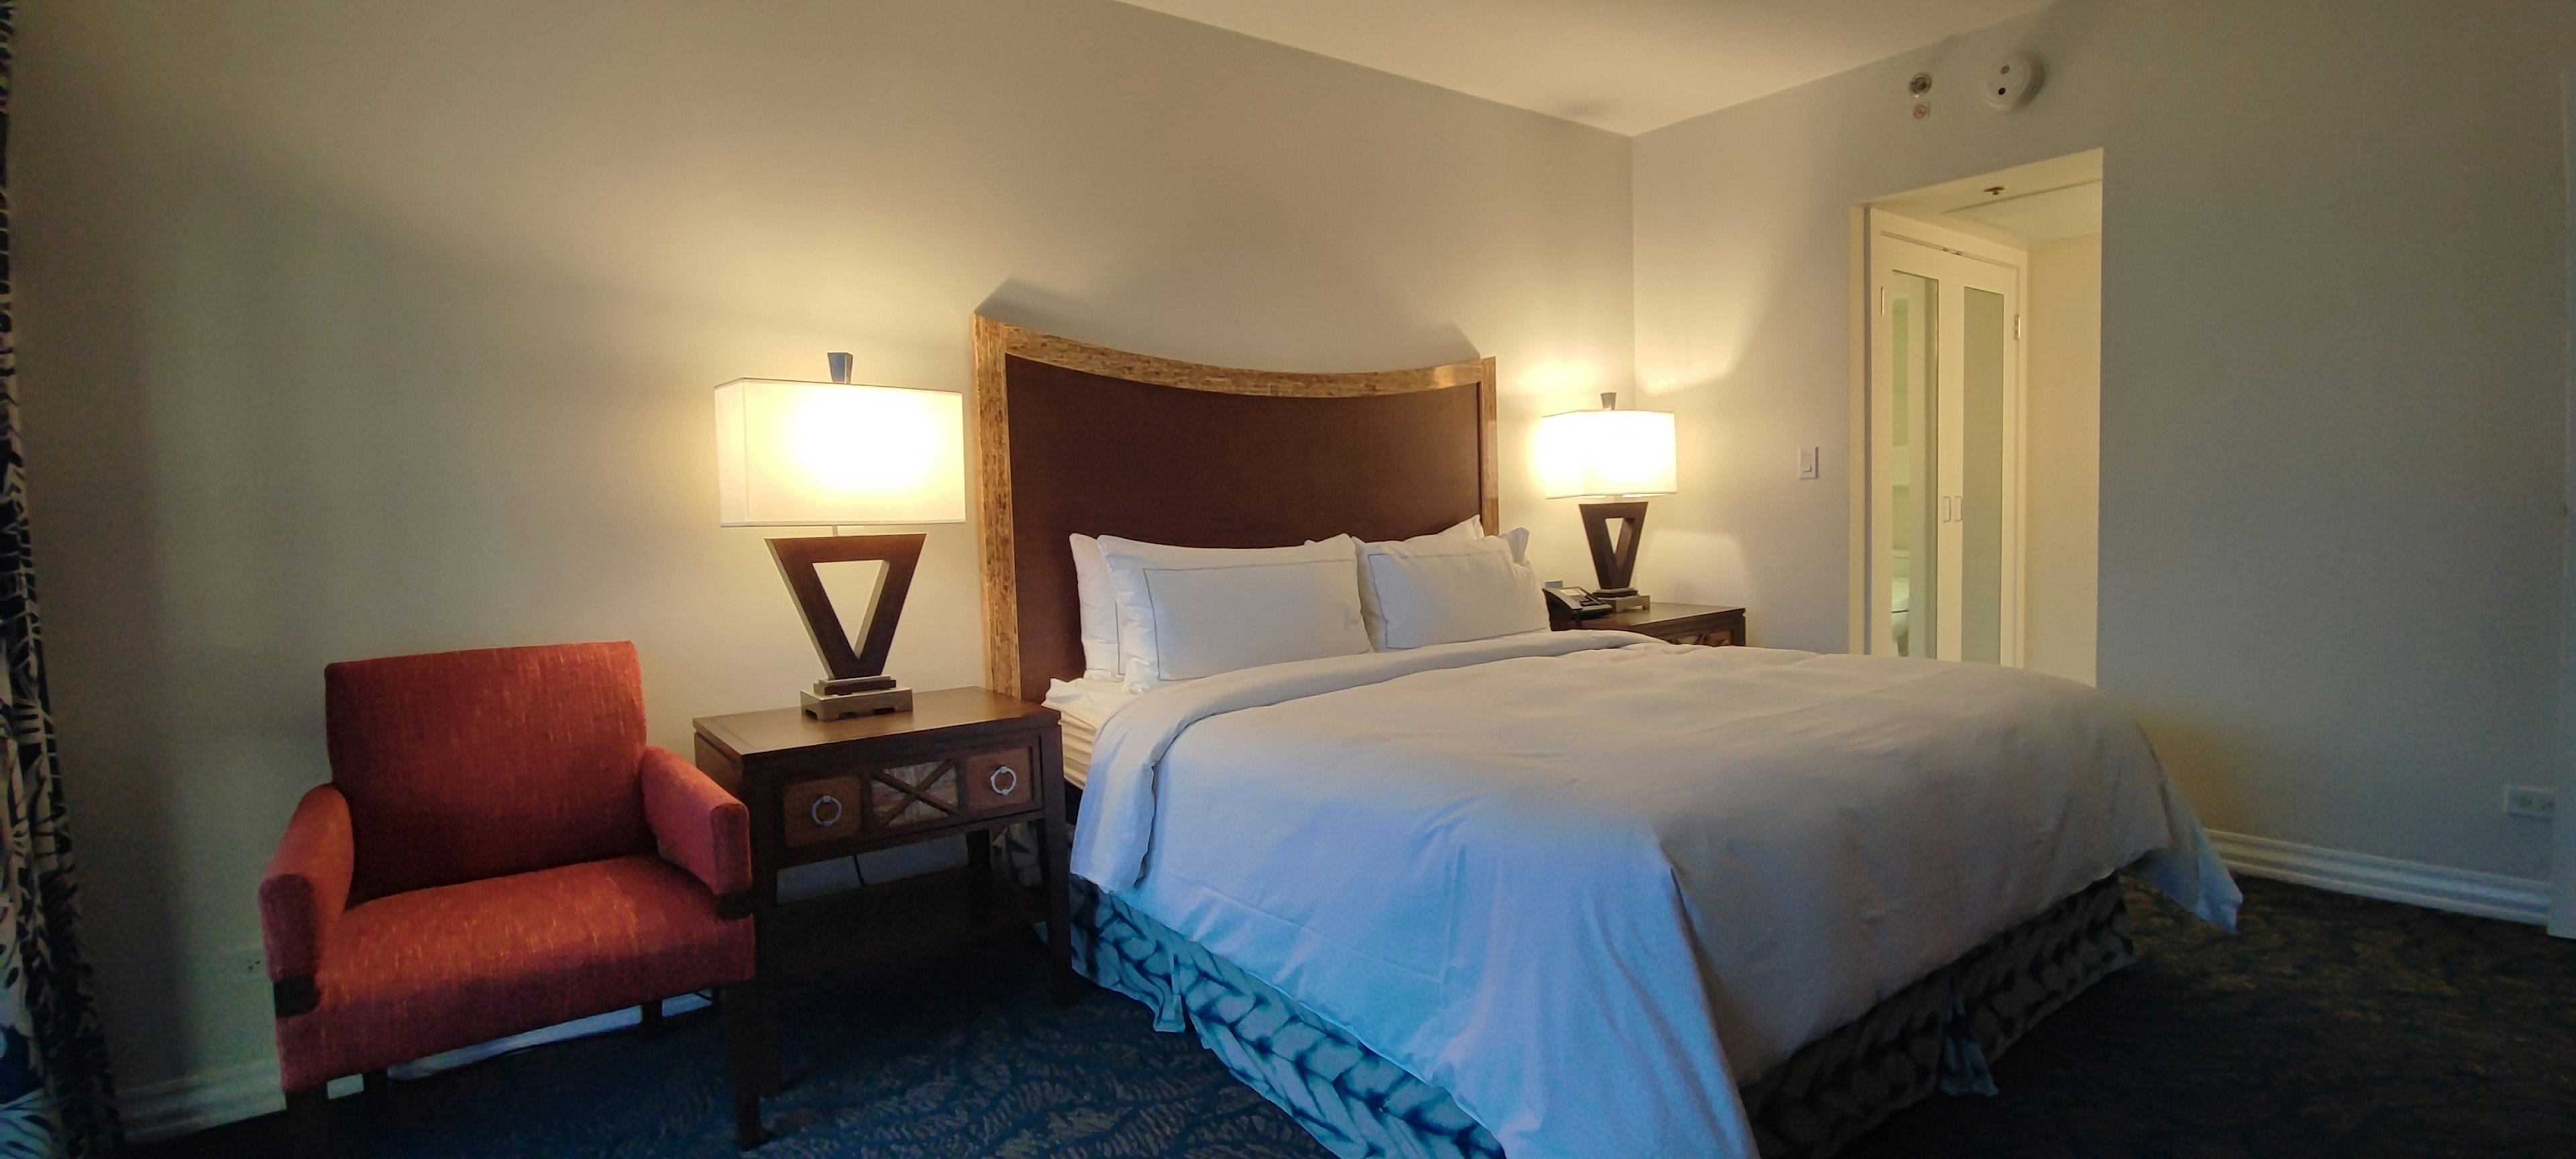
(814, 812)
(1000, 787)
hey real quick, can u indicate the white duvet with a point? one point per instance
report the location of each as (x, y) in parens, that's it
(1587, 884)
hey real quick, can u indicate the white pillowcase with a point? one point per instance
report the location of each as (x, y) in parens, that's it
(1473, 527)
(1444, 588)
(1468, 530)
(1188, 612)
(1099, 611)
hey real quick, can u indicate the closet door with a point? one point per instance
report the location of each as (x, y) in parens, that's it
(1945, 448)
(1906, 507)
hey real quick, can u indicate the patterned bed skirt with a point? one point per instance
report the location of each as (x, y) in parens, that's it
(1937, 1035)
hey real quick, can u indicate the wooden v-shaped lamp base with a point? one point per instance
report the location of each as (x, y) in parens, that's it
(857, 684)
(1613, 566)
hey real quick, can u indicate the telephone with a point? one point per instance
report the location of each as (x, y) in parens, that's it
(1579, 603)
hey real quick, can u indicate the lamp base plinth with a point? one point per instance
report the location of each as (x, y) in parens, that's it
(1627, 600)
(838, 706)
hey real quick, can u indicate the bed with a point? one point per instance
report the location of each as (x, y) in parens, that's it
(1546, 894)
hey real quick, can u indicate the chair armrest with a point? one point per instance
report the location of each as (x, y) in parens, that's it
(306, 888)
(700, 827)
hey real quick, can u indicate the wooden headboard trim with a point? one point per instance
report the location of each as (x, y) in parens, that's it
(995, 342)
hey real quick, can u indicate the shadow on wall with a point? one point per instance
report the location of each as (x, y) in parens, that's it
(2222, 761)
(100, 587)
(1109, 319)
(271, 433)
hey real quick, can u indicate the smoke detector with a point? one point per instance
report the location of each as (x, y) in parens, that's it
(2010, 81)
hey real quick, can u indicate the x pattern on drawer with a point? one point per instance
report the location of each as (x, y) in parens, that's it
(911, 794)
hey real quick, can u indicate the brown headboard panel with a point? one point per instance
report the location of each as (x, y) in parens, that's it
(1071, 438)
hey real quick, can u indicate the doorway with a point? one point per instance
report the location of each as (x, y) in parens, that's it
(1977, 420)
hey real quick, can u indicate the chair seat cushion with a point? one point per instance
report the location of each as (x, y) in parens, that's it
(435, 969)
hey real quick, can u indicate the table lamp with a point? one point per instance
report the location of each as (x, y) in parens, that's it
(835, 454)
(1618, 457)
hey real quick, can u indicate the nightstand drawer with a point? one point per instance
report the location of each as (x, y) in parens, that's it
(939, 789)
(820, 810)
(916, 793)
(1002, 780)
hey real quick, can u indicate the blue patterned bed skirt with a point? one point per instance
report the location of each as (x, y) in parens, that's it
(1936, 1035)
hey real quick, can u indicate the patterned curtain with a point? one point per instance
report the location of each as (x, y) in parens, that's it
(55, 1098)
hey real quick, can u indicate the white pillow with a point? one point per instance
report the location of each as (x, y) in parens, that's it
(1188, 612)
(1099, 611)
(1470, 530)
(1450, 589)
(1473, 527)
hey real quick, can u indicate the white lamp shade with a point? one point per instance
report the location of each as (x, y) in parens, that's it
(804, 453)
(1605, 453)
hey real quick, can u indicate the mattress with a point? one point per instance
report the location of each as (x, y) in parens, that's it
(1084, 705)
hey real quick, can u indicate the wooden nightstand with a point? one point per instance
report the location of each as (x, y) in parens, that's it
(964, 763)
(1678, 623)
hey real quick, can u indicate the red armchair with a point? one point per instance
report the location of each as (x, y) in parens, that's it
(484, 863)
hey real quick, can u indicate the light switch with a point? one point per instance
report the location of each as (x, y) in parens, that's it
(1808, 460)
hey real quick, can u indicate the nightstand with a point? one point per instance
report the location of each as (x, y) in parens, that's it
(963, 764)
(1678, 623)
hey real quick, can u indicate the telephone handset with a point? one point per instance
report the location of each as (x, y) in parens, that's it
(1577, 602)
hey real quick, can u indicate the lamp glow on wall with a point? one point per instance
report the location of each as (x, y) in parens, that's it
(1617, 457)
(835, 454)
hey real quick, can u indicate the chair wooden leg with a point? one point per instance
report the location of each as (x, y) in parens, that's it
(744, 1039)
(773, 1053)
(652, 1015)
(308, 1122)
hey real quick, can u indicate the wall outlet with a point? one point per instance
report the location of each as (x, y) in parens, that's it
(247, 965)
(2525, 801)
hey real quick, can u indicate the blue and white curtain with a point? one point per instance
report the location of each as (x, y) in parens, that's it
(55, 1098)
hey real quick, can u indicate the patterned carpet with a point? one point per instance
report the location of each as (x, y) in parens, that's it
(2333, 1026)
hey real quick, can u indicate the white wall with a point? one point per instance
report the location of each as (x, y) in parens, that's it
(2562, 902)
(351, 331)
(2062, 539)
(2333, 381)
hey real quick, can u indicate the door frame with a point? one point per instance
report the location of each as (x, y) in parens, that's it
(1867, 620)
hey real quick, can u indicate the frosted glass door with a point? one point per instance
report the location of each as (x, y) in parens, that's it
(1979, 527)
(1945, 454)
(1914, 334)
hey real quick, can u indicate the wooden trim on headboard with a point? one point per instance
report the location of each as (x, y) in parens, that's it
(996, 344)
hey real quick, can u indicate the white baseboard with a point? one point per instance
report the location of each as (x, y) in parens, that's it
(180, 1106)
(2467, 891)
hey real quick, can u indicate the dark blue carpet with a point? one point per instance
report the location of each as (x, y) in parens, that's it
(2333, 1026)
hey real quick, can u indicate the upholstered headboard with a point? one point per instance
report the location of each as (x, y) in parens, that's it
(1072, 438)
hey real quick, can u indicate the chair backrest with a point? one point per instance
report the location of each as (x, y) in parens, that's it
(466, 765)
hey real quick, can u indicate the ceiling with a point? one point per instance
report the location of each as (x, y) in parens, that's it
(1622, 65)
(2032, 204)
